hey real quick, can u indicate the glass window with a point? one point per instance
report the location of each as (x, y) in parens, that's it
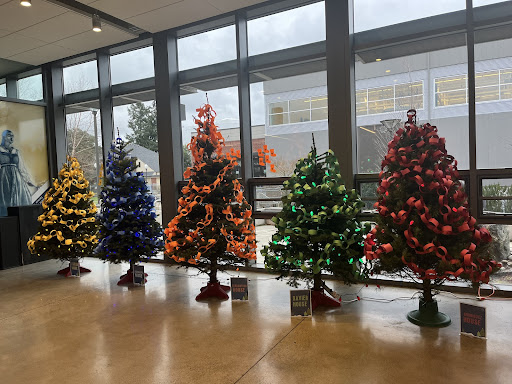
(506, 76)
(278, 107)
(299, 117)
(298, 26)
(453, 83)
(483, 79)
(300, 110)
(225, 102)
(307, 96)
(136, 122)
(319, 102)
(319, 114)
(371, 14)
(381, 93)
(506, 91)
(133, 65)
(397, 97)
(376, 107)
(379, 115)
(479, 3)
(3, 90)
(207, 48)
(278, 119)
(493, 138)
(368, 192)
(487, 94)
(30, 88)
(300, 105)
(80, 77)
(83, 137)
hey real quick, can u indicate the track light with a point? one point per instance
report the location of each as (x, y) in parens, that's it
(96, 23)
(26, 3)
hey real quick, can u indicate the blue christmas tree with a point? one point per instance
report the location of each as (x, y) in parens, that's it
(128, 226)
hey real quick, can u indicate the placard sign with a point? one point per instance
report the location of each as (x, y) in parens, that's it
(139, 278)
(74, 267)
(239, 288)
(472, 320)
(300, 302)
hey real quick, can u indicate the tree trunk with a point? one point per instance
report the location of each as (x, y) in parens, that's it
(427, 292)
(317, 282)
(132, 265)
(213, 269)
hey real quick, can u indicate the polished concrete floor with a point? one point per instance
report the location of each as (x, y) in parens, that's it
(89, 330)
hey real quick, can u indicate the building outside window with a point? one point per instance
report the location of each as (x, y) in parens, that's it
(298, 110)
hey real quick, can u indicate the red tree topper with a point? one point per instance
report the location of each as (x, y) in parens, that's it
(424, 222)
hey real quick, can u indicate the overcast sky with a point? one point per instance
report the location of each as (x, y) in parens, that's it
(287, 29)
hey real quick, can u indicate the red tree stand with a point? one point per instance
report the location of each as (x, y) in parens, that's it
(67, 271)
(213, 290)
(319, 298)
(127, 278)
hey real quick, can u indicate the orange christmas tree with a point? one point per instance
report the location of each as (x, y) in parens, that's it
(214, 227)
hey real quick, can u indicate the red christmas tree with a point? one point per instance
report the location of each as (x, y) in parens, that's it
(424, 227)
(214, 227)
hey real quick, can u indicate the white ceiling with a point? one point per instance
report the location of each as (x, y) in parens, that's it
(46, 32)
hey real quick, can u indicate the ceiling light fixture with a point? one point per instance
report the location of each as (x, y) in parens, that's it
(96, 23)
(26, 3)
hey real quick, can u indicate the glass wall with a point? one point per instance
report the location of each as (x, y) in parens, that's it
(433, 83)
(30, 88)
(285, 113)
(225, 102)
(371, 14)
(207, 48)
(3, 90)
(136, 123)
(298, 26)
(80, 77)
(493, 81)
(83, 141)
(132, 65)
(289, 100)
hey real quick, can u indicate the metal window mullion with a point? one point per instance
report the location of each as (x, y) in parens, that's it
(244, 95)
(167, 97)
(341, 85)
(106, 102)
(55, 116)
(471, 91)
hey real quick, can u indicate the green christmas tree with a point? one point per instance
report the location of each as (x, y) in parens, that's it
(318, 228)
(129, 229)
(214, 228)
(424, 228)
(68, 226)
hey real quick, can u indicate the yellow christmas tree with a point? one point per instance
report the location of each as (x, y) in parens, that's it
(68, 226)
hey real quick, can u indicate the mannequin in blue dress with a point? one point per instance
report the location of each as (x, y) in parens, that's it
(14, 178)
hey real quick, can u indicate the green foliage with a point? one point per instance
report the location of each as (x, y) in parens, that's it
(497, 190)
(129, 229)
(68, 226)
(424, 228)
(143, 125)
(318, 228)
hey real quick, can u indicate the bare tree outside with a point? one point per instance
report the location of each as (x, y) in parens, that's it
(81, 140)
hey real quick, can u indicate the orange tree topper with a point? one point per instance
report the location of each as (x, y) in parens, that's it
(214, 226)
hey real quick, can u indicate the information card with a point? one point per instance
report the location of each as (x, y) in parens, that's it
(472, 320)
(300, 302)
(239, 288)
(74, 267)
(139, 278)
